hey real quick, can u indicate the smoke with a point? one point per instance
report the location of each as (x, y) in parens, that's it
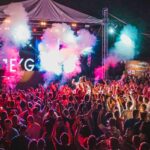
(61, 48)
(86, 41)
(126, 45)
(110, 61)
(10, 59)
(15, 27)
(125, 48)
(14, 33)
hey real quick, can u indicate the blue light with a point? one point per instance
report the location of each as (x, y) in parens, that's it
(111, 30)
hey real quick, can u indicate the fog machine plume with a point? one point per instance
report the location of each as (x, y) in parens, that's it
(15, 33)
(125, 48)
(61, 48)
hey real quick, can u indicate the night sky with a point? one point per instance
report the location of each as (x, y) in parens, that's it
(135, 12)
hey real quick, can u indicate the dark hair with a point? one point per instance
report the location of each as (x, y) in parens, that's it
(144, 146)
(3, 115)
(8, 121)
(23, 104)
(135, 113)
(112, 122)
(143, 116)
(85, 131)
(70, 98)
(114, 143)
(30, 104)
(35, 110)
(129, 104)
(41, 144)
(38, 106)
(136, 141)
(87, 97)
(12, 103)
(140, 98)
(23, 127)
(108, 115)
(14, 118)
(144, 106)
(64, 138)
(64, 97)
(100, 106)
(3, 95)
(30, 118)
(116, 114)
(32, 145)
(92, 141)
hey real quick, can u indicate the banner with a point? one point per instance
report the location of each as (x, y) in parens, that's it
(137, 68)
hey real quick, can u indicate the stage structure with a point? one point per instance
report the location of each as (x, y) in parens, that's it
(104, 40)
(50, 11)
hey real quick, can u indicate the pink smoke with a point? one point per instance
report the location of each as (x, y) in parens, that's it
(61, 48)
(15, 33)
(110, 61)
(13, 72)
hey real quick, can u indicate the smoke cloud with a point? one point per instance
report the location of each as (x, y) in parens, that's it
(125, 48)
(61, 48)
(15, 33)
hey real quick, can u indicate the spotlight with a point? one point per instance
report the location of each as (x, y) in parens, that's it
(34, 29)
(7, 20)
(41, 38)
(74, 25)
(30, 45)
(111, 30)
(87, 26)
(43, 23)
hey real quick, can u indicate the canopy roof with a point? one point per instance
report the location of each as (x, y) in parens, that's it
(52, 11)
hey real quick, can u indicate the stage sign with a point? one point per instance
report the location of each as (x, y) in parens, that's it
(26, 64)
(137, 68)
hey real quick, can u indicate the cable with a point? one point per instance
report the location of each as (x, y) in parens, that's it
(125, 23)
(118, 19)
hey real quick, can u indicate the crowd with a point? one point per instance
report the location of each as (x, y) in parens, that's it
(107, 115)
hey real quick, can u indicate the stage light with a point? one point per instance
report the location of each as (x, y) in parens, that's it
(34, 29)
(30, 45)
(74, 25)
(7, 21)
(43, 23)
(111, 30)
(87, 26)
(41, 38)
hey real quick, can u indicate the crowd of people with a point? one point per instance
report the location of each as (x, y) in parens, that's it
(107, 115)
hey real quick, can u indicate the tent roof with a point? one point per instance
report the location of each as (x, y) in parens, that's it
(52, 11)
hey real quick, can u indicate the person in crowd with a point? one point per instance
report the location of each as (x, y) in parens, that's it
(33, 145)
(41, 144)
(129, 123)
(21, 141)
(108, 115)
(33, 129)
